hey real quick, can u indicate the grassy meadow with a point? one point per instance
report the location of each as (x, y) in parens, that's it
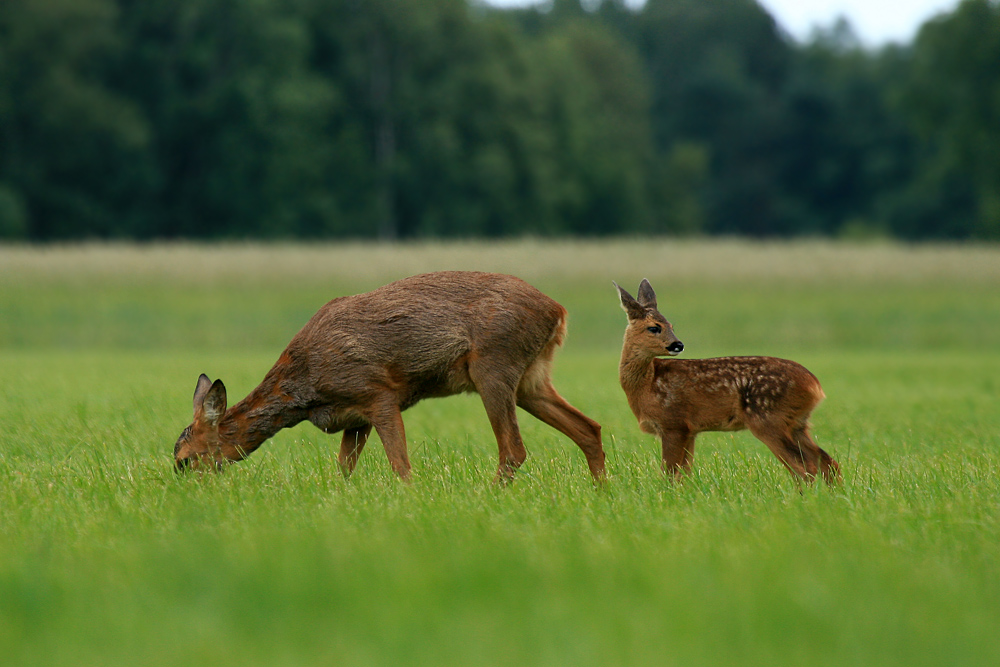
(109, 558)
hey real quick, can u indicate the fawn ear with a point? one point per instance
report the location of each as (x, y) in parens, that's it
(629, 304)
(201, 390)
(214, 404)
(647, 297)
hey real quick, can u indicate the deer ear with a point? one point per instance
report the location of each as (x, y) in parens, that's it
(647, 297)
(201, 390)
(214, 405)
(629, 304)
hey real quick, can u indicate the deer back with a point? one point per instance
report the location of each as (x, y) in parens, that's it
(418, 335)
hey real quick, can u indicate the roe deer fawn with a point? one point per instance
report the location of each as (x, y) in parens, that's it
(361, 360)
(678, 399)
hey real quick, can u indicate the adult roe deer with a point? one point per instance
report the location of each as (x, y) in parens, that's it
(361, 360)
(678, 399)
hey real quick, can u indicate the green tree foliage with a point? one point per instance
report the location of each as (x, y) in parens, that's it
(476, 130)
(238, 118)
(66, 136)
(953, 97)
(409, 118)
(845, 148)
(723, 64)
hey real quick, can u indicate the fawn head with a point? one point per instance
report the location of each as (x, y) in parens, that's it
(199, 444)
(647, 329)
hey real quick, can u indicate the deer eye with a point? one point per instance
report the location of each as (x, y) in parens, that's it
(654, 330)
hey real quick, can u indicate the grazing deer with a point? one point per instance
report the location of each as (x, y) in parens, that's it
(361, 360)
(678, 399)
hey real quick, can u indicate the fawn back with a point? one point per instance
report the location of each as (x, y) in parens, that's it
(677, 399)
(361, 360)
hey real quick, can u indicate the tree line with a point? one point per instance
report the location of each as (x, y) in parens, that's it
(165, 119)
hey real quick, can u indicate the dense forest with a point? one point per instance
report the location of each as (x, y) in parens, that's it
(166, 119)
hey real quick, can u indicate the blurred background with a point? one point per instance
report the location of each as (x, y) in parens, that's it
(262, 119)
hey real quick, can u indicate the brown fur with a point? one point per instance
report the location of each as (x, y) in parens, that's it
(361, 360)
(678, 399)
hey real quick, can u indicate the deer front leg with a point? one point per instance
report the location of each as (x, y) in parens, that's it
(350, 448)
(388, 423)
(502, 413)
(497, 386)
(678, 448)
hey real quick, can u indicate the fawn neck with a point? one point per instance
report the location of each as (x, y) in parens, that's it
(635, 370)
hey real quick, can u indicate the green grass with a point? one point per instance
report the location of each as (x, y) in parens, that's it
(108, 558)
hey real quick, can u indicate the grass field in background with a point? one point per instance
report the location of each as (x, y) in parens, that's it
(108, 558)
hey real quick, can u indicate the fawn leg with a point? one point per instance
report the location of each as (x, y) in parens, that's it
(678, 448)
(828, 467)
(548, 406)
(799, 456)
(350, 447)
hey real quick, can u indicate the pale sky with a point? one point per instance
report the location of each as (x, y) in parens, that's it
(875, 21)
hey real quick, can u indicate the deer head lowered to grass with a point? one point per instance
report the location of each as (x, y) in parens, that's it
(677, 399)
(361, 360)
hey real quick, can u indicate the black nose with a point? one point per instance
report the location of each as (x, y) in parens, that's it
(182, 465)
(676, 347)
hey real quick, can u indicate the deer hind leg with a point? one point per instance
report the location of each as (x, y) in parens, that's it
(828, 467)
(388, 423)
(544, 403)
(350, 448)
(800, 455)
(678, 449)
(496, 389)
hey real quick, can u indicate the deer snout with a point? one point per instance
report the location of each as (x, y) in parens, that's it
(676, 347)
(182, 465)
